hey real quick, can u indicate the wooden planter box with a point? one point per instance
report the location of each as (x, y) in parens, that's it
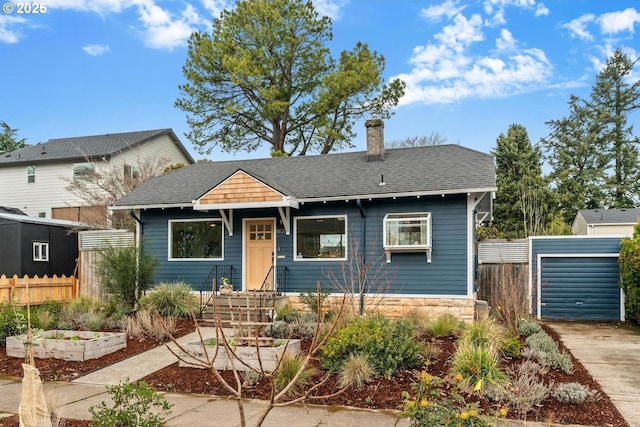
(88, 345)
(249, 354)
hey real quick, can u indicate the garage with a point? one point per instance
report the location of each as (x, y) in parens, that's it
(575, 278)
(580, 288)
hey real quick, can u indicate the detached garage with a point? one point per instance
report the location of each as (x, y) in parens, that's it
(575, 278)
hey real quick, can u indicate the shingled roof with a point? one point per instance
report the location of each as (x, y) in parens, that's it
(610, 216)
(83, 147)
(438, 169)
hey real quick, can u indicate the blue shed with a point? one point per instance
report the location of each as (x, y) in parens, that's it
(399, 221)
(575, 278)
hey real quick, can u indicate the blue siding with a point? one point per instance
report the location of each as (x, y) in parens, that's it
(574, 285)
(409, 273)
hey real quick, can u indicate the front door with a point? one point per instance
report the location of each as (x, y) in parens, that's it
(259, 246)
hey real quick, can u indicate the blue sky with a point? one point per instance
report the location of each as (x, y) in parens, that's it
(472, 68)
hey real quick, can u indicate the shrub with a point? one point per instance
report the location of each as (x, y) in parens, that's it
(528, 327)
(44, 320)
(125, 272)
(13, 321)
(81, 305)
(629, 263)
(524, 392)
(477, 366)
(431, 351)
(356, 371)
(389, 344)
(573, 393)
(289, 367)
(511, 348)
(279, 329)
(251, 378)
(484, 333)
(313, 301)
(427, 408)
(91, 321)
(134, 404)
(557, 360)
(443, 326)
(147, 324)
(286, 312)
(509, 296)
(542, 341)
(304, 328)
(171, 300)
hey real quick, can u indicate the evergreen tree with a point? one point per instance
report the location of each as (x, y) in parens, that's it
(576, 152)
(8, 139)
(265, 75)
(613, 99)
(521, 205)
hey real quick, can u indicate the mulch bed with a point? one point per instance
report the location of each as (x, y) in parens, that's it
(383, 393)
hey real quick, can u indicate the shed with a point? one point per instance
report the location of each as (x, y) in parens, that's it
(38, 246)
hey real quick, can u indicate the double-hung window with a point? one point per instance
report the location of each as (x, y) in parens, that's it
(40, 251)
(196, 239)
(31, 174)
(320, 238)
(407, 232)
(82, 171)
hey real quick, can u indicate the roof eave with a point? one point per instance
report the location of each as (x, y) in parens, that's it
(397, 195)
(151, 206)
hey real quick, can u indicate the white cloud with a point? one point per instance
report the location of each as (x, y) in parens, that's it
(542, 10)
(617, 22)
(217, 6)
(95, 49)
(97, 6)
(449, 69)
(330, 8)
(8, 34)
(449, 8)
(578, 27)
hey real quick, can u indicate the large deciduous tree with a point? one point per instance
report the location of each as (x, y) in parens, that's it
(577, 155)
(613, 99)
(9, 140)
(521, 206)
(265, 75)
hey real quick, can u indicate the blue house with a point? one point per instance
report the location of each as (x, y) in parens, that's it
(398, 222)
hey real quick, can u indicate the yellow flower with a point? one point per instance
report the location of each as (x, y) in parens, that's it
(503, 412)
(425, 377)
(424, 402)
(464, 415)
(411, 403)
(458, 377)
(473, 412)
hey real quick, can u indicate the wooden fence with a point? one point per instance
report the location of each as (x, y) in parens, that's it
(41, 290)
(497, 279)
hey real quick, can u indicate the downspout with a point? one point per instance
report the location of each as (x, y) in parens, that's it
(363, 231)
(139, 245)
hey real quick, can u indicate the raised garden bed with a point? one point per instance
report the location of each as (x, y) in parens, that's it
(269, 355)
(68, 345)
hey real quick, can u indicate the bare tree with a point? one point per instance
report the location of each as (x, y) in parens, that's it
(364, 278)
(418, 141)
(100, 187)
(281, 394)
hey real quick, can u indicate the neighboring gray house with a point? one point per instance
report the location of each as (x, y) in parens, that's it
(605, 222)
(34, 179)
(285, 223)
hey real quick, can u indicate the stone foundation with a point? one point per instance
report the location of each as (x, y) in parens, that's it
(396, 306)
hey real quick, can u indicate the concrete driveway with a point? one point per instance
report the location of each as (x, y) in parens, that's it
(612, 356)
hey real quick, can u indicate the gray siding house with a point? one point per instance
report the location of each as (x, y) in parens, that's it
(409, 215)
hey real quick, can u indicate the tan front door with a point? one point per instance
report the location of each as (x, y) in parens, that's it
(259, 237)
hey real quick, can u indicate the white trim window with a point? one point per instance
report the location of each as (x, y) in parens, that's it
(31, 174)
(407, 232)
(82, 171)
(196, 240)
(320, 238)
(40, 251)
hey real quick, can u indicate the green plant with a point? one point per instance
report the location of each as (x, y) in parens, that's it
(314, 301)
(252, 378)
(134, 404)
(483, 333)
(91, 321)
(286, 312)
(511, 347)
(279, 329)
(444, 325)
(356, 371)
(291, 366)
(13, 321)
(390, 344)
(572, 393)
(44, 320)
(629, 265)
(509, 296)
(524, 392)
(478, 367)
(146, 324)
(171, 300)
(528, 327)
(81, 305)
(557, 360)
(431, 350)
(125, 272)
(542, 341)
(427, 408)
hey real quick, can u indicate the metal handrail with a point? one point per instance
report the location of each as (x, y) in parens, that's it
(209, 286)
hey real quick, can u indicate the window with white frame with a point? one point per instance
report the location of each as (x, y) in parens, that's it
(31, 174)
(131, 172)
(320, 237)
(407, 232)
(82, 171)
(197, 239)
(40, 251)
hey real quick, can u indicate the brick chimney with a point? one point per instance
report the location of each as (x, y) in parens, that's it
(375, 139)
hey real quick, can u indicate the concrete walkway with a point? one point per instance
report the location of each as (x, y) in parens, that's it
(612, 357)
